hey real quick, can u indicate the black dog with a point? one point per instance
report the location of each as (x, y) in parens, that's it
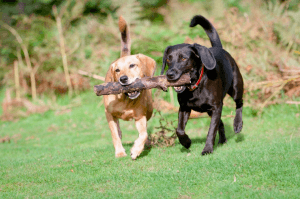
(213, 74)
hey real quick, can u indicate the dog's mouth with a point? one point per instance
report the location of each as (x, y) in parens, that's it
(128, 82)
(131, 95)
(179, 89)
(134, 94)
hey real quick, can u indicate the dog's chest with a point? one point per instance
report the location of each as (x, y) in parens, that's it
(127, 109)
(198, 101)
(125, 114)
(122, 111)
(199, 105)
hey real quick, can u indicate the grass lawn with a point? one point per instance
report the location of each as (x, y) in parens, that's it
(71, 154)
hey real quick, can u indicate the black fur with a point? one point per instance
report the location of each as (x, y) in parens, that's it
(209, 29)
(221, 76)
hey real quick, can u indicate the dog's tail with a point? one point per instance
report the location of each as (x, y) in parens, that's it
(209, 29)
(125, 37)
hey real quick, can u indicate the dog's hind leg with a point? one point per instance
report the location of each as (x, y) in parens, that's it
(115, 133)
(183, 116)
(238, 120)
(236, 92)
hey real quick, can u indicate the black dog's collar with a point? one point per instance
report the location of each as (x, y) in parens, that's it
(198, 82)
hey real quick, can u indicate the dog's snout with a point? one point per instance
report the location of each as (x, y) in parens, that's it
(124, 79)
(171, 73)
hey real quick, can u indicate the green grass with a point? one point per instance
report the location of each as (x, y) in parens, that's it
(72, 155)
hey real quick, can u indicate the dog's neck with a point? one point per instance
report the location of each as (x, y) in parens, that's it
(194, 86)
(195, 74)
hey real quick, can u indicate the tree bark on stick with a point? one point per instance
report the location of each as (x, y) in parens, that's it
(159, 82)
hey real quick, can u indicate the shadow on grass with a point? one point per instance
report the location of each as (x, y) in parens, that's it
(185, 150)
(239, 138)
(129, 144)
(229, 133)
(145, 152)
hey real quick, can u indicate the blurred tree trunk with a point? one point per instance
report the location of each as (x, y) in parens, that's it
(27, 59)
(62, 49)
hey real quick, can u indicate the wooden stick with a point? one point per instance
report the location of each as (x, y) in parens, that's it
(159, 82)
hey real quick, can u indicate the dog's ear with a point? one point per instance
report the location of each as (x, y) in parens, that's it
(164, 60)
(110, 77)
(148, 65)
(206, 56)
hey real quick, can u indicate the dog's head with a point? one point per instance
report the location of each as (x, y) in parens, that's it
(186, 58)
(129, 68)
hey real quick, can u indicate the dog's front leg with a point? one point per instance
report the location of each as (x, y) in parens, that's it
(139, 143)
(214, 125)
(116, 135)
(183, 116)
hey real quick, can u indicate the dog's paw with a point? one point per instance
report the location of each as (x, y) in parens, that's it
(120, 154)
(238, 121)
(238, 125)
(222, 140)
(207, 150)
(185, 141)
(134, 155)
(135, 152)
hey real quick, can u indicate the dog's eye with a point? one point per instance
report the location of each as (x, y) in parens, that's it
(117, 70)
(131, 65)
(183, 59)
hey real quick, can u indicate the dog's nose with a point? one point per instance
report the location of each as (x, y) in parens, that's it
(124, 79)
(171, 74)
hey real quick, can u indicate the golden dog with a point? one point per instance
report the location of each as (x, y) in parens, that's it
(136, 105)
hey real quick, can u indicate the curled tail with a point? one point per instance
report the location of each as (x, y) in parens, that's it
(209, 29)
(125, 37)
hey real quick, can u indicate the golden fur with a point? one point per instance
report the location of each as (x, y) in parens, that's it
(121, 106)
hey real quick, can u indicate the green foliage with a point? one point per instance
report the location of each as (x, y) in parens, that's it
(195, 32)
(150, 10)
(236, 3)
(44, 7)
(291, 4)
(103, 7)
(92, 37)
(193, 1)
(25, 7)
(227, 3)
(287, 24)
(152, 3)
(88, 53)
